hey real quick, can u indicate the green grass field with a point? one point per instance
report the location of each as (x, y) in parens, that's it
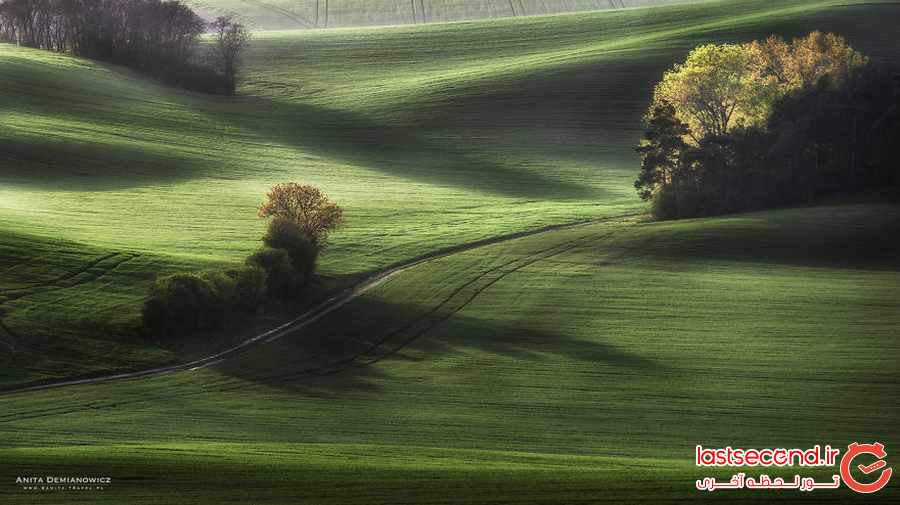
(575, 366)
(581, 365)
(297, 14)
(488, 131)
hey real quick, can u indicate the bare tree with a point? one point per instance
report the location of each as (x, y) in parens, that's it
(231, 38)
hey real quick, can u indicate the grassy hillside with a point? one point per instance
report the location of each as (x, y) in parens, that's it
(294, 14)
(429, 136)
(580, 365)
(577, 366)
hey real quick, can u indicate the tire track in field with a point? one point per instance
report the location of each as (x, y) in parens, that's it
(443, 311)
(316, 313)
(431, 319)
(372, 348)
(345, 363)
(78, 278)
(433, 322)
(63, 277)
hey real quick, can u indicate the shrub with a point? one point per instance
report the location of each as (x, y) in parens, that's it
(249, 288)
(303, 216)
(286, 234)
(282, 280)
(180, 302)
(187, 302)
(223, 292)
(154, 317)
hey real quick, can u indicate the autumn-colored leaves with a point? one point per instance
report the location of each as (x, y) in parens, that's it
(304, 205)
(723, 86)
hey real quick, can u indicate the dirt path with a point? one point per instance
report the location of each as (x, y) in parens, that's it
(314, 314)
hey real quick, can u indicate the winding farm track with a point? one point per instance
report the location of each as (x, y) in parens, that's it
(317, 312)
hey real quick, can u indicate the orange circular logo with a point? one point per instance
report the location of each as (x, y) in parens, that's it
(854, 450)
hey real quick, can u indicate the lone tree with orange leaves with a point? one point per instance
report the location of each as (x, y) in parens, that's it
(305, 206)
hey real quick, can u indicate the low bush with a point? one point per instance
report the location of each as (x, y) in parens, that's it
(249, 288)
(286, 234)
(281, 270)
(181, 302)
(155, 321)
(283, 281)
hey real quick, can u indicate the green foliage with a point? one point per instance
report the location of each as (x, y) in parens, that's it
(249, 288)
(769, 123)
(715, 90)
(182, 303)
(661, 149)
(282, 279)
(723, 86)
(155, 318)
(286, 234)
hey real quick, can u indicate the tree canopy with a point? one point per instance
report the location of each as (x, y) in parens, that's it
(747, 126)
(304, 205)
(723, 86)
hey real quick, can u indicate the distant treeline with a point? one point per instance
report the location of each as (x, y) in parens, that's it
(153, 36)
(770, 123)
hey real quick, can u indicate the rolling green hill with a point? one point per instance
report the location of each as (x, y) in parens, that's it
(569, 366)
(295, 14)
(581, 365)
(429, 136)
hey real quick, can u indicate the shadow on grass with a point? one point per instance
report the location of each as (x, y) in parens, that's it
(864, 237)
(344, 136)
(46, 164)
(337, 354)
(399, 151)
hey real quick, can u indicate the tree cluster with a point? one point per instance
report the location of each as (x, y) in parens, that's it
(771, 123)
(281, 270)
(157, 37)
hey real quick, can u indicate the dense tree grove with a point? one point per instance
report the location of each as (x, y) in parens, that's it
(158, 37)
(742, 127)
